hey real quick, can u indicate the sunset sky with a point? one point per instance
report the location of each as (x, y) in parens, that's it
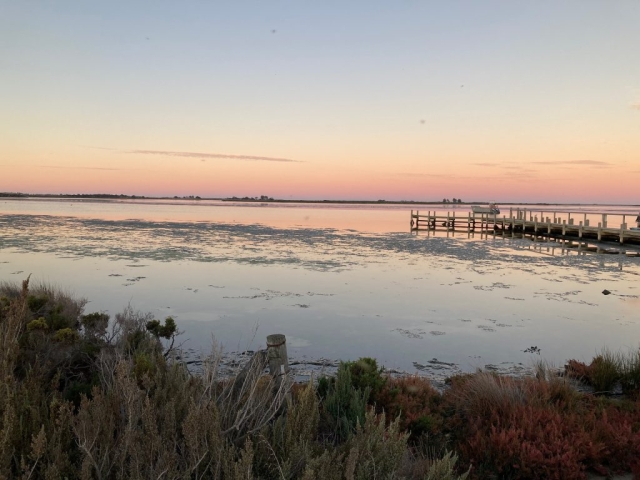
(415, 100)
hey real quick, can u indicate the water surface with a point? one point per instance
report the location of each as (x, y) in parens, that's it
(341, 281)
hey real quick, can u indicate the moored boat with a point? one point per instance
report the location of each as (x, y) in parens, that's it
(491, 209)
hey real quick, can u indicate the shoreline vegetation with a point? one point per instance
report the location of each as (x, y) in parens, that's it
(266, 199)
(83, 396)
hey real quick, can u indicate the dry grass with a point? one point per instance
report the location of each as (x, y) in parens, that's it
(485, 392)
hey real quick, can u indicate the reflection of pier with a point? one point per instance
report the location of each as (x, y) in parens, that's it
(575, 230)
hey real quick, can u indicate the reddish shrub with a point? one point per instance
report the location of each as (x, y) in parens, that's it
(531, 442)
(577, 370)
(618, 429)
(415, 401)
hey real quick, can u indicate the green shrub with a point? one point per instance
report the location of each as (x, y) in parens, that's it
(95, 324)
(159, 330)
(344, 406)
(445, 469)
(38, 324)
(66, 336)
(605, 371)
(630, 375)
(36, 302)
(365, 374)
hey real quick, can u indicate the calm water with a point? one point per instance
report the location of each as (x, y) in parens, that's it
(341, 281)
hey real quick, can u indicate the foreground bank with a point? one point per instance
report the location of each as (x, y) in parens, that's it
(83, 396)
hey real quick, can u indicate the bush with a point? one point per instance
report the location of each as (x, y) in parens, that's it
(445, 469)
(343, 405)
(100, 399)
(415, 401)
(630, 374)
(365, 374)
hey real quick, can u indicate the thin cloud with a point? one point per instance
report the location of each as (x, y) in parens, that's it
(487, 164)
(635, 106)
(573, 162)
(434, 175)
(166, 153)
(518, 169)
(77, 168)
(98, 148)
(510, 175)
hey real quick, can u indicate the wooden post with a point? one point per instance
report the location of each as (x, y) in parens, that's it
(510, 212)
(453, 221)
(599, 231)
(604, 220)
(580, 230)
(469, 223)
(277, 355)
(623, 227)
(585, 220)
(564, 227)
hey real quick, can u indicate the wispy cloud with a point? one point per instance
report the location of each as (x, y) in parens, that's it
(487, 164)
(99, 148)
(431, 175)
(573, 162)
(167, 153)
(76, 168)
(635, 106)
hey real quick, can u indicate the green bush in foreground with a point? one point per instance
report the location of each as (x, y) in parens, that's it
(83, 397)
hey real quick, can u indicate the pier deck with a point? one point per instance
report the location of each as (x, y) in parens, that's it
(612, 228)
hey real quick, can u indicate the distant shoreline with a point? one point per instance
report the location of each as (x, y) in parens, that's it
(105, 196)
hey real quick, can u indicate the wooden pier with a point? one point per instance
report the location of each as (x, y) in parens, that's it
(570, 226)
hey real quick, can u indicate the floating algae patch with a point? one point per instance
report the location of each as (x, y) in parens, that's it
(321, 249)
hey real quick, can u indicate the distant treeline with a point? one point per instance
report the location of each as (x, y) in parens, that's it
(69, 195)
(12, 194)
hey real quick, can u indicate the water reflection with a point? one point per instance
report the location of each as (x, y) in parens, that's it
(436, 302)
